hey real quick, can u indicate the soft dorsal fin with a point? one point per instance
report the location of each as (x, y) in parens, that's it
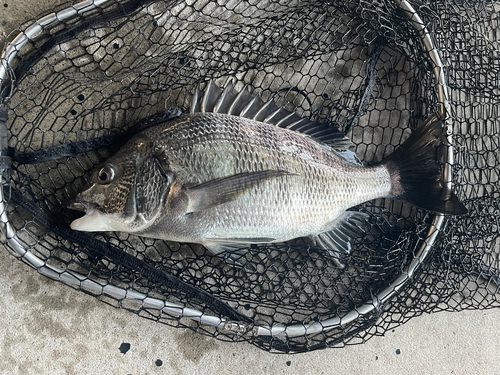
(243, 104)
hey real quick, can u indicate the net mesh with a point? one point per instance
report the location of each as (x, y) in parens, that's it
(76, 88)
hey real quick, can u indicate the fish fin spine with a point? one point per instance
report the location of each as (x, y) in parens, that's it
(214, 99)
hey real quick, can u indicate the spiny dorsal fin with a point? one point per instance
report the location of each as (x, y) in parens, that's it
(243, 104)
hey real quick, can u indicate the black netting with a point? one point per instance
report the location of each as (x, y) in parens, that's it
(84, 83)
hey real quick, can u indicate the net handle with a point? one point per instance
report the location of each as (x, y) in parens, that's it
(294, 330)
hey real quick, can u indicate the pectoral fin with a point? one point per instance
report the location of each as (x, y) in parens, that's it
(338, 239)
(226, 189)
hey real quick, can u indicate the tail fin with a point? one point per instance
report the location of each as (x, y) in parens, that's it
(415, 172)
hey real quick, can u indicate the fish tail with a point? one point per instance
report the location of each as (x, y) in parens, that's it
(415, 173)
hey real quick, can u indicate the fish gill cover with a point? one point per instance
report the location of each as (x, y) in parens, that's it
(81, 83)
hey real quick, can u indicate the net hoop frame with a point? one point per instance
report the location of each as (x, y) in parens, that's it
(230, 327)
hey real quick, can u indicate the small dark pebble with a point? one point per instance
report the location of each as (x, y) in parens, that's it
(5, 5)
(398, 351)
(73, 112)
(124, 347)
(376, 358)
(80, 97)
(116, 46)
(325, 96)
(247, 306)
(159, 362)
(288, 363)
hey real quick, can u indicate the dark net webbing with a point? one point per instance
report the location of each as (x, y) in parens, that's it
(81, 87)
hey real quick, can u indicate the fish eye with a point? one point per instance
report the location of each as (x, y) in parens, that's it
(105, 175)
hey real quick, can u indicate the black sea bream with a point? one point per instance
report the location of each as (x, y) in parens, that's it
(237, 171)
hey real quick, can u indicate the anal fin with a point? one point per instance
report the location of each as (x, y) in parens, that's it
(337, 240)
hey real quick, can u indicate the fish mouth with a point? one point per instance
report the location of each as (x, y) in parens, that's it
(77, 205)
(93, 220)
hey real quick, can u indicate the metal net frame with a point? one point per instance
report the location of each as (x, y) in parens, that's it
(77, 82)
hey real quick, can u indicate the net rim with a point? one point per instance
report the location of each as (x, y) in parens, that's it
(239, 328)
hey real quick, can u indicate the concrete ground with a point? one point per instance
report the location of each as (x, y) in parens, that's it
(48, 328)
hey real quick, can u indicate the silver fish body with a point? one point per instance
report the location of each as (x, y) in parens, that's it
(316, 188)
(227, 181)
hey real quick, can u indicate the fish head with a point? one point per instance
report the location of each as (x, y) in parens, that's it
(125, 191)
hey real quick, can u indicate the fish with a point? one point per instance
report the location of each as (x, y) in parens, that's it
(235, 171)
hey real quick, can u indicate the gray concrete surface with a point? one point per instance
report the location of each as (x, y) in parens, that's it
(48, 328)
